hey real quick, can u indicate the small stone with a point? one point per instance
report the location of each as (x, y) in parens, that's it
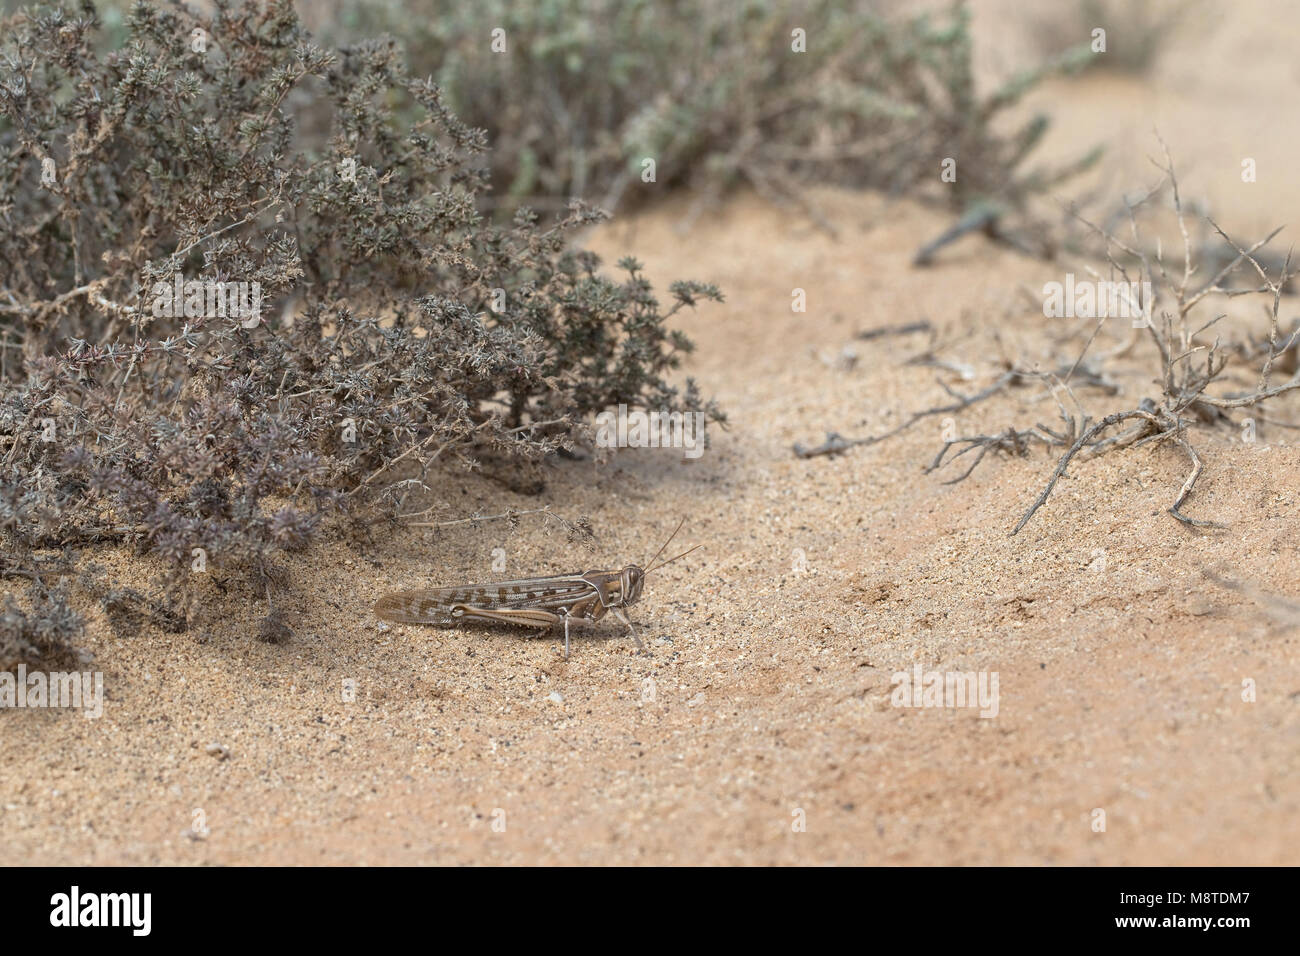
(556, 697)
(218, 751)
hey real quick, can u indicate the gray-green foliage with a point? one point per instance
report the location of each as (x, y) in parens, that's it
(715, 93)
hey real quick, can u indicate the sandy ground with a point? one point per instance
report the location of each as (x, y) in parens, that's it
(771, 649)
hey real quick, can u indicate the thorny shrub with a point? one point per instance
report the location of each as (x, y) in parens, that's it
(406, 331)
(1208, 363)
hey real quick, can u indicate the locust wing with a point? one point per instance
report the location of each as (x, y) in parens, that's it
(434, 605)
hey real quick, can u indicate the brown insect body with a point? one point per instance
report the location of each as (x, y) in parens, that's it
(588, 595)
(541, 602)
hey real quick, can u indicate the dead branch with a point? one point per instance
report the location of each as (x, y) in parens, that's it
(982, 218)
(1188, 362)
(1112, 419)
(905, 329)
(835, 443)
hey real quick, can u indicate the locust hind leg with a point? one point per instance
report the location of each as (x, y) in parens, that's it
(524, 617)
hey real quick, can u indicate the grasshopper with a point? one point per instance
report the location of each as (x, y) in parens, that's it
(541, 602)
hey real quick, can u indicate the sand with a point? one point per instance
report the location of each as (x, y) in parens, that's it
(770, 652)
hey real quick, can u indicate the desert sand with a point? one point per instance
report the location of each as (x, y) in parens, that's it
(771, 649)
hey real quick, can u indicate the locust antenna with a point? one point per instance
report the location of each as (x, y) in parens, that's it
(678, 558)
(668, 542)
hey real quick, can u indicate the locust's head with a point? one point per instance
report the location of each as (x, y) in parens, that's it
(632, 581)
(632, 578)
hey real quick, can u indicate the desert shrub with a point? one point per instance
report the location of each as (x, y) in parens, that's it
(382, 327)
(715, 93)
(46, 631)
(1136, 33)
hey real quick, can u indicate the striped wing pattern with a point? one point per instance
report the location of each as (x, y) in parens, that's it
(434, 605)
